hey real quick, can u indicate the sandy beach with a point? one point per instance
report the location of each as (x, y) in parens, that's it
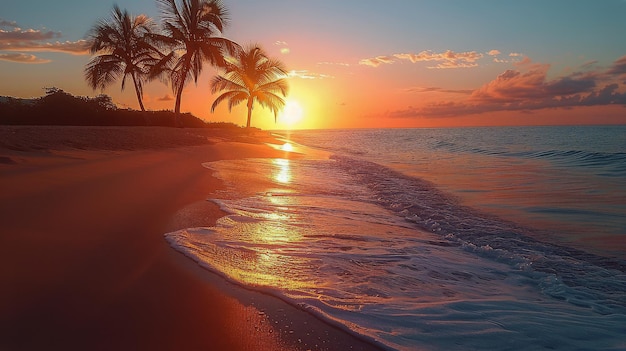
(83, 211)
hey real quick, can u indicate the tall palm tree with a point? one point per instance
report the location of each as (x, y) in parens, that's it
(192, 32)
(252, 76)
(122, 50)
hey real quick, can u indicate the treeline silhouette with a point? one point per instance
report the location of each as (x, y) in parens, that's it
(175, 50)
(58, 107)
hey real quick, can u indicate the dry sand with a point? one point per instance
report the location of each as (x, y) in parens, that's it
(84, 265)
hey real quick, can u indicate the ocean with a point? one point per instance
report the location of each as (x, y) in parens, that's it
(492, 238)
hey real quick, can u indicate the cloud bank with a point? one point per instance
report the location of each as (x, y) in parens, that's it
(529, 89)
(16, 39)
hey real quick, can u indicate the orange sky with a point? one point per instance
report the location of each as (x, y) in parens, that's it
(407, 64)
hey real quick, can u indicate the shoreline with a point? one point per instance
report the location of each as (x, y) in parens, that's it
(86, 262)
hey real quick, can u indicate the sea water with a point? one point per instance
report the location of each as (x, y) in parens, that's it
(435, 239)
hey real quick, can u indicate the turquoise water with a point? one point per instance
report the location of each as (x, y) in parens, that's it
(435, 239)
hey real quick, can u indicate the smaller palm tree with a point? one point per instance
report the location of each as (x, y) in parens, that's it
(123, 50)
(251, 76)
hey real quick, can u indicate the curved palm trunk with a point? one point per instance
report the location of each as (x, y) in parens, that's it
(143, 109)
(250, 102)
(179, 94)
(179, 91)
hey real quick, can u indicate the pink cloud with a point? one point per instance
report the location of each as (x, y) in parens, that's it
(619, 67)
(22, 58)
(530, 90)
(18, 35)
(33, 40)
(437, 90)
(80, 47)
(377, 61)
(513, 84)
(526, 61)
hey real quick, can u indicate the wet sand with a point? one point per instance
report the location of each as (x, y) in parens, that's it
(84, 264)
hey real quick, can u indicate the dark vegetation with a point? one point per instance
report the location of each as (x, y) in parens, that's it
(58, 107)
(135, 48)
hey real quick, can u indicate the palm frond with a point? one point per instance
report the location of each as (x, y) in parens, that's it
(193, 28)
(215, 13)
(233, 97)
(101, 71)
(250, 74)
(122, 45)
(220, 83)
(271, 101)
(278, 86)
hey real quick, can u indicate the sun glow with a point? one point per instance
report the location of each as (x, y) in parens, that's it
(287, 147)
(292, 113)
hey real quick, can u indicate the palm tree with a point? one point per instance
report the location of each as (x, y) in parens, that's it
(251, 76)
(123, 50)
(191, 31)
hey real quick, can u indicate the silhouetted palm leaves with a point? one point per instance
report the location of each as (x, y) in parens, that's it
(122, 50)
(191, 33)
(251, 76)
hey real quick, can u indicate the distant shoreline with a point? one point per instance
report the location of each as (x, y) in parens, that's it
(58, 107)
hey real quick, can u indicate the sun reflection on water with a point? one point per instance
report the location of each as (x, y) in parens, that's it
(262, 241)
(287, 147)
(283, 173)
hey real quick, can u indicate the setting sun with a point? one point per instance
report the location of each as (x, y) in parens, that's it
(292, 113)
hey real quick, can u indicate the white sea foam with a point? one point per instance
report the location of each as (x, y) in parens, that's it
(392, 258)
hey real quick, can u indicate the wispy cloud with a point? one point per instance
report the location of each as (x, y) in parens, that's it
(306, 74)
(447, 59)
(588, 64)
(525, 61)
(166, 97)
(22, 58)
(7, 24)
(377, 61)
(326, 63)
(497, 58)
(619, 67)
(284, 47)
(21, 40)
(18, 35)
(79, 47)
(438, 90)
(529, 89)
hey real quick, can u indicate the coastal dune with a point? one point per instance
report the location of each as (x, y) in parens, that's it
(84, 264)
